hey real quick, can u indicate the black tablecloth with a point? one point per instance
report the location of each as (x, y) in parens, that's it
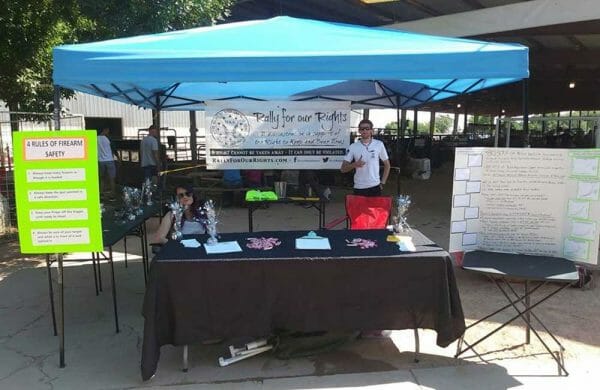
(192, 297)
(115, 228)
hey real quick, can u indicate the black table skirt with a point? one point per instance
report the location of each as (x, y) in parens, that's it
(191, 297)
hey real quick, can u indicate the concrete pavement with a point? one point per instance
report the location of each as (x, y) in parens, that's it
(97, 358)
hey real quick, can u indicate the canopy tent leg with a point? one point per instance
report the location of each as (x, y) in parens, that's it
(597, 133)
(56, 107)
(399, 139)
(465, 120)
(455, 125)
(398, 133)
(415, 123)
(525, 83)
(193, 136)
(156, 118)
(431, 124)
(402, 133)
(497, 132)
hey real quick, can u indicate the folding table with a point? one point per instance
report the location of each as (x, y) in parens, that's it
(316, 203)
(507, 269)
(192, 296)
(112, 232)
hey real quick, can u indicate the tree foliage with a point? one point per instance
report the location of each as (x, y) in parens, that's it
(121, 18)
(29, 29)
(443, 123)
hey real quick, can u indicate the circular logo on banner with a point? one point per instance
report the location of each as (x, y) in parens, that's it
(229, 127)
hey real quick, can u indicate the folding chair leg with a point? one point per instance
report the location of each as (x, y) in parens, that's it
(185, 358)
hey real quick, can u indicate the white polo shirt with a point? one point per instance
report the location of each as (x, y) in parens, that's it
(368, 175)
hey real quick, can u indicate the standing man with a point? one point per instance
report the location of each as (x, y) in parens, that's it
(106, 163)
(364, 156)
(150, 155)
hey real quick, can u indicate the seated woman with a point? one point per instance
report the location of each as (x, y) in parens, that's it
(190, 223)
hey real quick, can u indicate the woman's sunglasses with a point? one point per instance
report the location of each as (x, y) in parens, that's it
(180, 195)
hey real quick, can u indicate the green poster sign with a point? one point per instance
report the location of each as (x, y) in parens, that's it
(56, 189)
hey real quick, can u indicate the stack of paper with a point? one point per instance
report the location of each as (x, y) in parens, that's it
(222, 247)
(405, 243)
(191, 243)
(312, 243)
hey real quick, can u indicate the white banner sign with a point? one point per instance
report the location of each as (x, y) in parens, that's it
(535, 201)
(276, 135)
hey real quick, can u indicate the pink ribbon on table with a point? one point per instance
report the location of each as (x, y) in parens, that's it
(263, 243)
(362, 243)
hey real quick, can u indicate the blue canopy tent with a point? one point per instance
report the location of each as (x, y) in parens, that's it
(286, 58)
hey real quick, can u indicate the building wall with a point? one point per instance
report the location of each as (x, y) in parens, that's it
(133, 118)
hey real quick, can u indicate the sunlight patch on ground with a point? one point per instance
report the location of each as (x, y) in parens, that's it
(385, 386)
(83, 258)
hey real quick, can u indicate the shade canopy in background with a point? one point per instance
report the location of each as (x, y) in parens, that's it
(286, 58)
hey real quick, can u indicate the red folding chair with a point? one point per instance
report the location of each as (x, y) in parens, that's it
(365, 212)
(369, 212)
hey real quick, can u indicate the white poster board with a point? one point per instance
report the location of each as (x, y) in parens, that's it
(532, 201)
(276, 135)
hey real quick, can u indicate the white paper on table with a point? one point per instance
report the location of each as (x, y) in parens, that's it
(406, 244)
(313, 243)
(191, 243)
(585, 166)
(223, 247)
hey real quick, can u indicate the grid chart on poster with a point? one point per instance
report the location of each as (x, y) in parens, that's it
(532, 201)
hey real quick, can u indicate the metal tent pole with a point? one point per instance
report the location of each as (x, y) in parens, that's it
(399, 138)
(525, 83)
(193, 136)
(57, 107)
(497, 133)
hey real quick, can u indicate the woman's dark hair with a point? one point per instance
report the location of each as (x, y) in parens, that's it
(196, 203)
